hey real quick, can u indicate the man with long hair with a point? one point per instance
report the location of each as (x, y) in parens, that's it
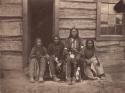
(37, 61)
(93, 69)
(55, 51)
(72, 49)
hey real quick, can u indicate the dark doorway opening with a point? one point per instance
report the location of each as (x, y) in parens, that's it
(40, 23)
(41, 20)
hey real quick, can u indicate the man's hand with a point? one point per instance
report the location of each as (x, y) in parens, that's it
(47, 56)
(59, 64)
(72, 56)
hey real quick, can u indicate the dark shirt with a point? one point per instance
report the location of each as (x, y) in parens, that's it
(89, 53)
(56, 50)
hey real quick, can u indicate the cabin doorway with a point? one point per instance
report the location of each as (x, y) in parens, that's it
(41, 20)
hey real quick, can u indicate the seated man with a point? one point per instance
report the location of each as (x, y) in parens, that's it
(71, 51)
(37, 62)
(93, 69)
(55, 51)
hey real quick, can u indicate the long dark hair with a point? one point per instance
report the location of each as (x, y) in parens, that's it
(77, 35)
(57, 36)
(93, 47)
(53, 37)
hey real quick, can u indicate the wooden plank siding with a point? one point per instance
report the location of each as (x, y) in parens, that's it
(69, 13)
(12, 61)
(83, 15)
(78, 13)
(10, 28)
(11, 34)
(11, 10)
(10, 1)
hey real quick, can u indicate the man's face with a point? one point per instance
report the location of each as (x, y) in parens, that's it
(74, 32)
(56, 40)
(38, 42)
(90, 44)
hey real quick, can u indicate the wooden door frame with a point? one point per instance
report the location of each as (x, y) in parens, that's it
(26, 28)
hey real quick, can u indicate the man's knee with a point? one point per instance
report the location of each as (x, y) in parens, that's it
(51, 61)
(42, 60)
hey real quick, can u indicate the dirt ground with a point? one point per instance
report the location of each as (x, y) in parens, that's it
(17, 82)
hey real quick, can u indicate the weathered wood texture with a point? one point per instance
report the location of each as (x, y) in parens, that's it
(11, 61)
(82, 33)
(77, 5)
(10, 1)
(82, 24)
(80, 0)
(110, 52)
(11, 46)
(78, 13)
(83, 15)
(11, 28)
(11, 32)
(110, 1)
(10, 10)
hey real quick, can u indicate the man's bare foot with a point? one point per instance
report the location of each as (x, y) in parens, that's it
(40, 79)
(56, 79)
(32, 80)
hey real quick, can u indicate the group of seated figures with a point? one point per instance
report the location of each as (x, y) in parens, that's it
(71, 62)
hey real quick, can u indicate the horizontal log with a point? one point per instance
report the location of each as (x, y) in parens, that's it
(81, 11)
(10, 28)
(11, 46)
(81, 0)
(87, 33)
(110, 49)
(77, 5)
(110, 1)
(73, 13)
(66, 16)
(111, 56)
(82, 24)
(11, 62)
(107, 43)
(11, 38)
(122, 43)
(64, 33)
(10, 1)
(11, 11)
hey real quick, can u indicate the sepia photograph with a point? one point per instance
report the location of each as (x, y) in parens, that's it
(62, 46)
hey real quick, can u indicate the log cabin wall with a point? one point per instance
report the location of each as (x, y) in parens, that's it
(78, 13)
(69, 13)
(11, 34)
(83, 15)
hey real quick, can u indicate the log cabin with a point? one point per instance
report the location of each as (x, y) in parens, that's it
(21, 21)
